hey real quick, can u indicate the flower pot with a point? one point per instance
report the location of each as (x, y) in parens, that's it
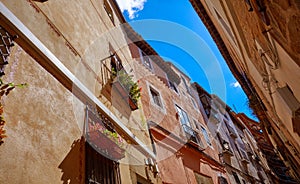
(105, 145)
(133, 105)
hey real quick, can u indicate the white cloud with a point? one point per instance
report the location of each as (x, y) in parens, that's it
(131, 6)
(235, 84)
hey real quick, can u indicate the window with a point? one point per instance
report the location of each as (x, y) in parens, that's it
(206, 101)
(230, 129)
(155, 97)
(289, 98)
(115, 62)
(222, 180)
(201, 179)
(146, 60)
(185, 84)
(206, 136)
(194, 103)
(225, 145)
(225, 25)
(236, 178)
(184, 120)
(100, 169)
(196, 125)
(141, 180)
(173, 86)
(243, 154)
(109, 11)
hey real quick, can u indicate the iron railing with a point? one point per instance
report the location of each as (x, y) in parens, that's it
(6, 42)
(192, 135)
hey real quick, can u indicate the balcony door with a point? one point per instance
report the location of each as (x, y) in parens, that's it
(100, 169)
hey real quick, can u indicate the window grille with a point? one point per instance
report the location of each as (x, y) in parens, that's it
(100, 169)
(6, 42)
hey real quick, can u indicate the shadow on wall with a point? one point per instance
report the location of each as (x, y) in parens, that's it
(72, 166)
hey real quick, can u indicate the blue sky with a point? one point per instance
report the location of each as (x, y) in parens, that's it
(176, 32)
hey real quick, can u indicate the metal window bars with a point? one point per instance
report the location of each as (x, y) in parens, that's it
(6, 42)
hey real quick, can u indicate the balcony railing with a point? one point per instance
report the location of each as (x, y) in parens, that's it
(106, 75)
(226, 148)
(244, 157)
(101, 135)
(192, 135)
(6, 42)
(231, 131)
(119, 80)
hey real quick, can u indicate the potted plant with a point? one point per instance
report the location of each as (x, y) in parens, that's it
(128, 88)
(109, 143)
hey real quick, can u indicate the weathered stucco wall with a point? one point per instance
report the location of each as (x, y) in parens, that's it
(268, 54)
(43, 132)
(47, 118)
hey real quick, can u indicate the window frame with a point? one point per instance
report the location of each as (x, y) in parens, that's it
(146, 60)
(194, 103)
(153, 89)
(173, 86)
(102, 166)
(236, 177)
(186, 85)
(188, 130)
(186, 117)
(196, 124)
(109, 11)
(206, 136)
(225, 25)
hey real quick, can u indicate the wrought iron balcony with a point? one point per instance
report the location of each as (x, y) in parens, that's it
(231, 131)
(101, 135)
(226, 148)
(192, 136)
(6, 42)
(244, 157)
(122, 82)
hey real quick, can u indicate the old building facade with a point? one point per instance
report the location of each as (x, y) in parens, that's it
(75, 121)
(181, 140)
(102, 107)
(264, 152)
(233, 141)
(259, 42)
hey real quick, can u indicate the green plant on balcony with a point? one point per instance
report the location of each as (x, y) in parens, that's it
(5, 89)
(126, 80)
(114, 136)
(135, 92)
